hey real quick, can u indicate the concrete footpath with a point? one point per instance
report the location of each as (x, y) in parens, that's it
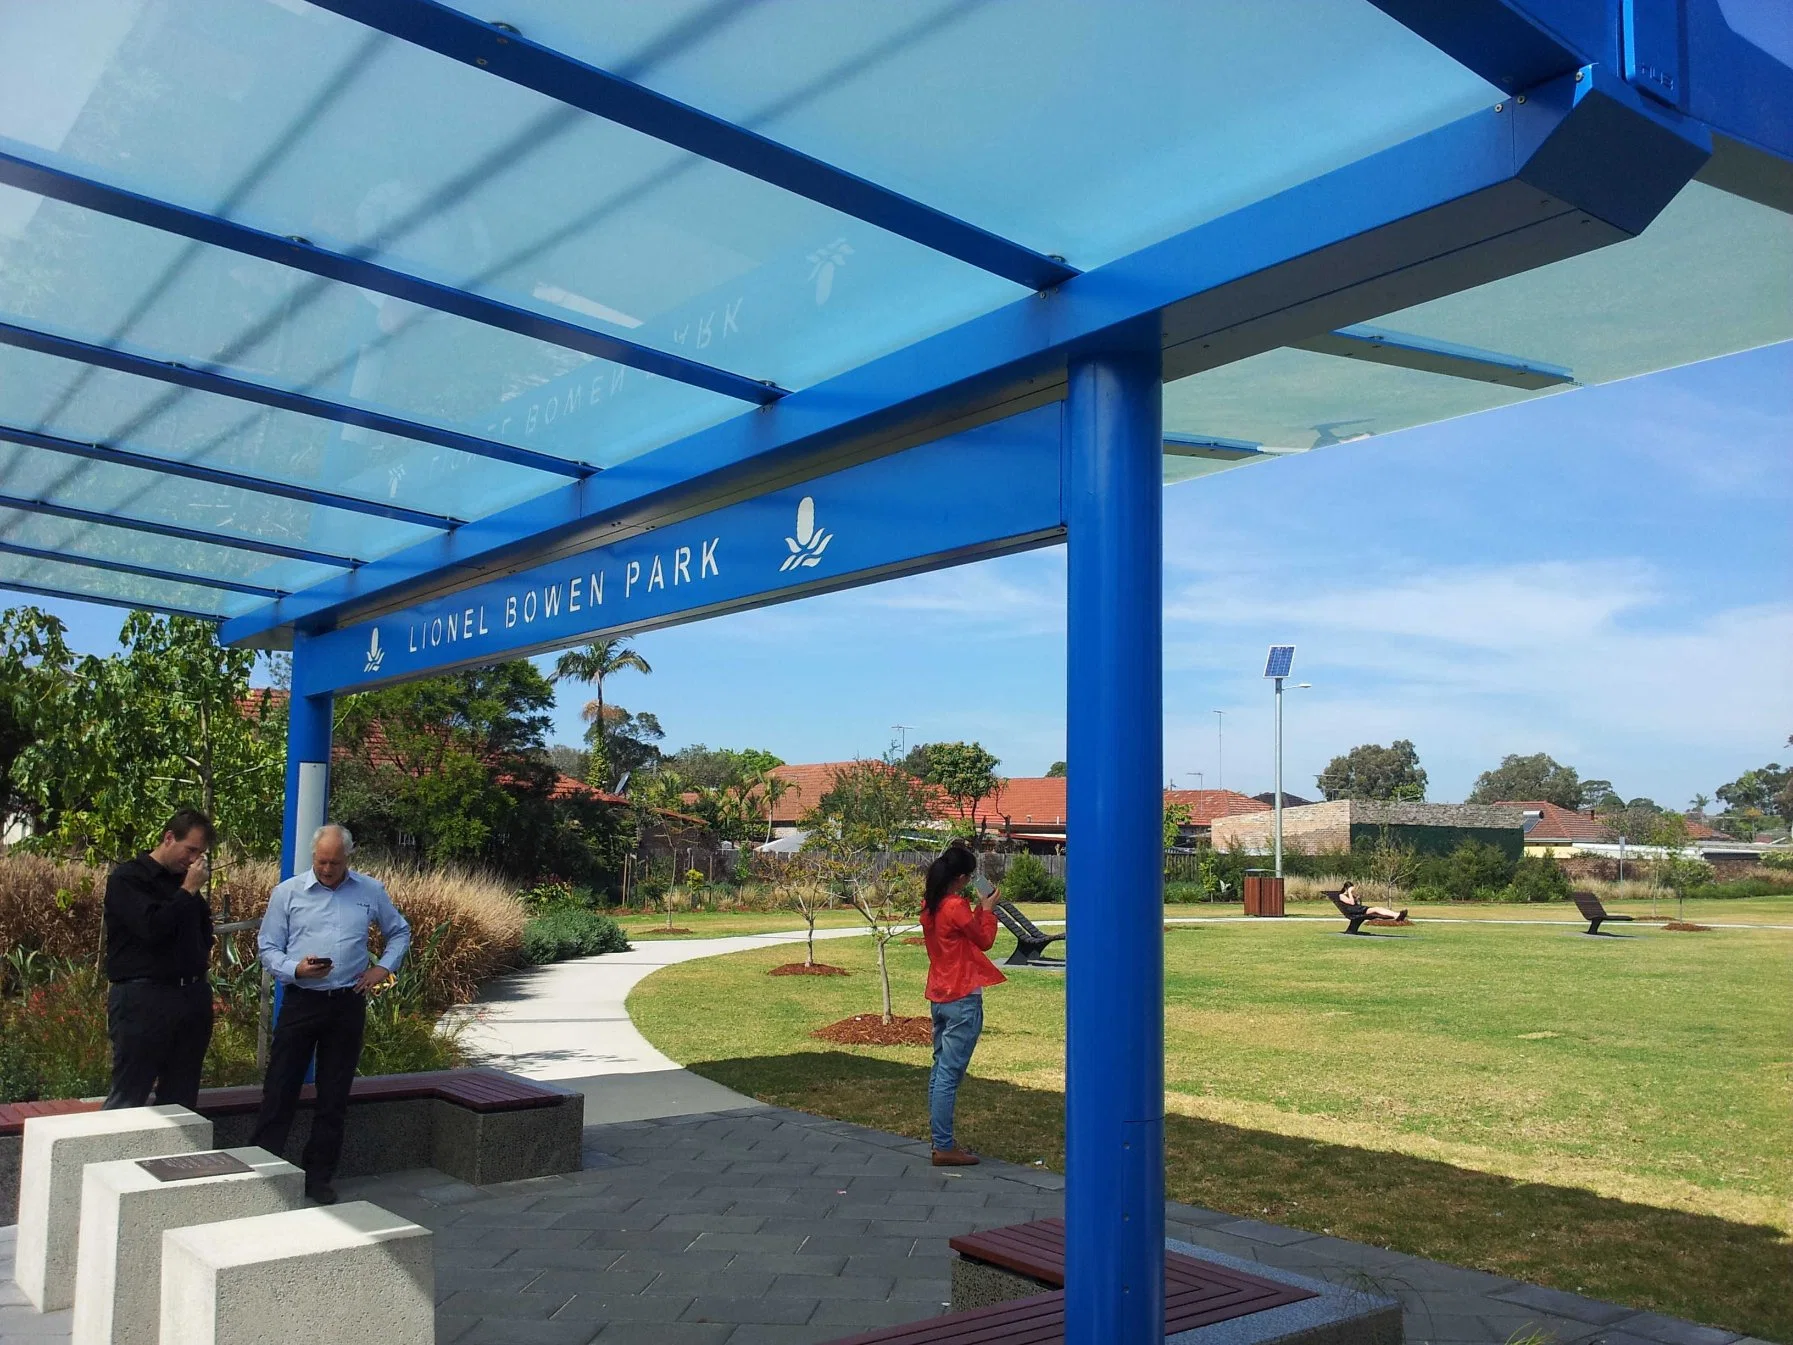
(568, 1023)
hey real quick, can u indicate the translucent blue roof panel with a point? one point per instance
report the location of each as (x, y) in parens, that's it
(1077, 129)
(113, 283)
(296, 121)
(64, 536)
(1712, 275)
(79, 581)
(78, 402)
(228, 511)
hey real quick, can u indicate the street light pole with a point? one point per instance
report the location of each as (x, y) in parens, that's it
(1220, 749)
(1279, 777)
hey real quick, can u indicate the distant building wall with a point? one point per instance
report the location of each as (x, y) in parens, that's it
(1429, 828)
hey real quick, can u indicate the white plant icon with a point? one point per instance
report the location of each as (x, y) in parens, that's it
(823, 263)
(375, 655)
(810, 542)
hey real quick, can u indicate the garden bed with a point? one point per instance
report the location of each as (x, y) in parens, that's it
(870, 1029)
(808, 969)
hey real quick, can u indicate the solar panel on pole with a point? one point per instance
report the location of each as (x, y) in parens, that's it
(1282, 658)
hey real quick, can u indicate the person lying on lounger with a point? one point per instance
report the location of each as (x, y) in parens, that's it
(1348, 895)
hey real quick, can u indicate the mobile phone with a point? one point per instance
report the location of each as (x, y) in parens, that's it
(981, 885)
(328, 962)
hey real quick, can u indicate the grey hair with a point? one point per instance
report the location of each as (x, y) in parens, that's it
(348, 840)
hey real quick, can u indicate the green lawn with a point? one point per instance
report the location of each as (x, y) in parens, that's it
(1608, 1116)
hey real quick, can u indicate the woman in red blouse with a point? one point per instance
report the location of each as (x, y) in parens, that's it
(957, 936)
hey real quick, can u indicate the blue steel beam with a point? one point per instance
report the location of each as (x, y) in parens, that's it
(28, 174)
(1581, 164)
(224, 385)
(217, 476)
(1207, 446)
(141, 571)
(104, 520)
(1401, 351)
(1509, 44)
(39, 591)
(502, 51)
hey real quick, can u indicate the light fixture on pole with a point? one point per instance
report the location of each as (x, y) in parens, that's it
(1277, 666)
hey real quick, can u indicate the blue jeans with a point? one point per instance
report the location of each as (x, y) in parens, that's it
(957, 1026)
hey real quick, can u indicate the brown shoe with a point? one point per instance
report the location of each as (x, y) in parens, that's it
(954, 1158)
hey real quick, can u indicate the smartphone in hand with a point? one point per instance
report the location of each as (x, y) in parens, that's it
(982, 886)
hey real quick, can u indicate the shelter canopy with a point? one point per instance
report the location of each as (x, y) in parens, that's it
(282, 294)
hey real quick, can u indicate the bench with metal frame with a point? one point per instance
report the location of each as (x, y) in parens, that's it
(1593, 912)
(1030, 940)
(1355, 912)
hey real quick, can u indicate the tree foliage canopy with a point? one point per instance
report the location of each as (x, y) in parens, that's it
(1537, 776)
(965, 773)
(1371, 771)
(870, 806)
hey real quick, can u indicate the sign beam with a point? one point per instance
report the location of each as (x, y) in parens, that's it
(984, 492)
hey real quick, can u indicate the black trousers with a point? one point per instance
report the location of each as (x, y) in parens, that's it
(159, 1037)
(331, 1026)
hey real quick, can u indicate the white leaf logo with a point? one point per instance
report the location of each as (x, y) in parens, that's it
(810, 541)
(375, 655)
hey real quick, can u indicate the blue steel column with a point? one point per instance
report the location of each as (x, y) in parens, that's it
(307, 768)
(1114, 1047)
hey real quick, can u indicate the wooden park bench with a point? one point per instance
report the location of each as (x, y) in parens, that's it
(1593, 912)
(480, 1125)
(1030, 940)
(1196, 1293)
(1355, 912)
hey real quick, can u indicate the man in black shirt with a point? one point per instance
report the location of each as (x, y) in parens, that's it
(158, 950)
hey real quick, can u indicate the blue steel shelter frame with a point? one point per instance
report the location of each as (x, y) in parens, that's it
(1610, 109)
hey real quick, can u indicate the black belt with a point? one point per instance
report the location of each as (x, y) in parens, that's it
(177, 981)
(339, 990)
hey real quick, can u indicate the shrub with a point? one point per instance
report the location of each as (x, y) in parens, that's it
(1474, 871)
(1744, 887)
(1778, 859)
(1027, 880)
(1538, 879)
(570, 932)
(1681, 875)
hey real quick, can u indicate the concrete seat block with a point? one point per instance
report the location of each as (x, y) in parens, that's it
(125, 1211)
(343, 1272)
(56, 1151)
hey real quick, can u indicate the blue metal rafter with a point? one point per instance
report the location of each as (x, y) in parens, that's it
(1207, 446)
(224, 385)
(27, 174)
(217, 476)
(141, 571)
(1582, 163)
(1401, 351)
(39, 591)
(105, 520)
(501, 51)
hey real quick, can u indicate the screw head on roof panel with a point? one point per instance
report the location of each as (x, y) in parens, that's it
(504, 27)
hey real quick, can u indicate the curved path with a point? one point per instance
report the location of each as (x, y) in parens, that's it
(568, 1023)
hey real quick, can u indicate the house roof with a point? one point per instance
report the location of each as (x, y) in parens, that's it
(1557, 823)
(1207, 804)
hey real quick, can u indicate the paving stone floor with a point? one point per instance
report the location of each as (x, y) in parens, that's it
(764, 1226)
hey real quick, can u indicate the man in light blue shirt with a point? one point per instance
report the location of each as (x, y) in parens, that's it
(314, 941)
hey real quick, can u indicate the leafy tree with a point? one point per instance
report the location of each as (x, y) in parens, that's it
(1698, 804)
(35, 700)
(1529, 777)
(169, 721)
(591, 665)
(720, 767)
(1027, 880)
(1176, 817)
(1538, 879)
(1056, 771)
(630, 746)
(570, 761)
(1595, 794)
(1767, 789)
(1643, 822)
(1680, 874)
(870, 805)
(915, 761)
(1371, 771)
(965, 773)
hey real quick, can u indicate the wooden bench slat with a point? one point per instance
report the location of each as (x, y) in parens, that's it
(477, 1091)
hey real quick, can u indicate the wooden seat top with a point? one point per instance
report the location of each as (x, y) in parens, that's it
(477, 1090)
(1196, 1293)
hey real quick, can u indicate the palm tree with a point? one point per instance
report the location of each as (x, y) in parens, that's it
(771, 789)
(593, 664)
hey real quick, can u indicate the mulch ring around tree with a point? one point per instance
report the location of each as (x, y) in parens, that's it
(916, 940)
(813, 969)
(662, 929)
(1391, 924)
(868, 1029)
(1688, 927)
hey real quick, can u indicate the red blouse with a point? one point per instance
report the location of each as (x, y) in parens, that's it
(957, 936)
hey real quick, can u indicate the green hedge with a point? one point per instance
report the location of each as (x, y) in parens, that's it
(570, 932)
(1745, 887)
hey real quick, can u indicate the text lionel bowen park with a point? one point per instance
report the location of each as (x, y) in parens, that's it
(957, 499)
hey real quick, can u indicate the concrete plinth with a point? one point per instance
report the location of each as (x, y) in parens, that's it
(125, 1211)
(55, 1152)
(345, 1272)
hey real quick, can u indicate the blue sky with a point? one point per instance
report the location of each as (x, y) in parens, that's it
(1604, 576)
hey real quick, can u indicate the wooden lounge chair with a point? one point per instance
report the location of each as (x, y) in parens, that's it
(1030, 940)
(1593, 912)
(1355, 912)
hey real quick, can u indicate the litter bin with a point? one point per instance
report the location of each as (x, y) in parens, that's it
(1263, 893)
